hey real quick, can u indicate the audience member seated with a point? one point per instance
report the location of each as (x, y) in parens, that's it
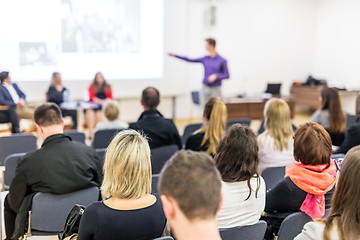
(309, 183)
(276, 143)
(111, 112)
(131, 211)
(207, 138)
(99, 92)
(60, 166)
(190, 190)
(11, 95)
(352, 135)
(343, 221)
(243, 188)
(9, 115)
(331, 115)
(57, 94)
(157, 129)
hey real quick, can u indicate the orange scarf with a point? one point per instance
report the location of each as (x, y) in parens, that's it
(316, 181)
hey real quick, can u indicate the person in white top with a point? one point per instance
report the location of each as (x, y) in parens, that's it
(111, 112)
(343, 222)
(242, 187)
(276, 143)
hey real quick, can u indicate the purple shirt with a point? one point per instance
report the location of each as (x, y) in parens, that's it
(217, 65)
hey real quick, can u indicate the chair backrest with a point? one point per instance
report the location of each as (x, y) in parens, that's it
(350, 120)
(101, 154)
(103, 138)
(164, 238)
(272, 176)
(11, 162)
(189, 130)
(251, 232)
(293, 225)
(16, 143)
(154, 183)
(49, 211)
(76, 136)
(160, 155)
(195, 97)
(243, 121)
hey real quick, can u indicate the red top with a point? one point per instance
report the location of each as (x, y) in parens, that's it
(92, 93)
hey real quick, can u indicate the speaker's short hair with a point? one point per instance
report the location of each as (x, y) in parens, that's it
(211, 42)
(3, 76)
(48, 114)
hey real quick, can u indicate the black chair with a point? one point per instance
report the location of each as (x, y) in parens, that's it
(251, 232)
(16, 143)
(189, 130)
(154, 183)
(293, 225)
(101, 154)
(76, 136)
(243, 121)
(11, 163)
(351, 119)
(195, 97)
(103, 138)
(160, 155)
(272, 176)
(337, 138)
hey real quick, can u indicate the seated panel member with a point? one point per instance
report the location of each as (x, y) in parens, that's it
(60, 166)
(159, 130)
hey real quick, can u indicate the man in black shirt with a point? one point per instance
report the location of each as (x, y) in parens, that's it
(159, 130)
(60, 166)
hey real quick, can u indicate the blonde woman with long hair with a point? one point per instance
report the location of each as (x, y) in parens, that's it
(131, 211)
(276, 143)
(207, 138)
(343, 221)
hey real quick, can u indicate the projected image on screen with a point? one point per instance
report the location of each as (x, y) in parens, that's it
(121, 38)
(115, 27)
(35, 53)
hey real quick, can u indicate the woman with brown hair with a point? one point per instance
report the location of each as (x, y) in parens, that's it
(331, 115)
(343, 221)
(242, 187)
(207, 138)
(99, 92)
(309, 182)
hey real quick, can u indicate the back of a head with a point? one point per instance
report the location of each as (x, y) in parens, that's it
(345, 206)
(48, 114)
(127, 166)
(150, 98)
(312, 144)
(278, 122)
(331, 102)
(3, 75)
(111, 110)
(216, 113)
(237, 155)
(193, 181)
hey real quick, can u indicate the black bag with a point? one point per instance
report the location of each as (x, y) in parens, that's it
(72, 222)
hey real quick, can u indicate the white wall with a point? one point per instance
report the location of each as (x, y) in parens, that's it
(337, 51)
(263, 41)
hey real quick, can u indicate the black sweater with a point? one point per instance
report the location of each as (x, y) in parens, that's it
(286, 197)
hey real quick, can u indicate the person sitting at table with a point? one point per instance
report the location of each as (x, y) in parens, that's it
(56, 94)
(111, 112)
(276, 143)
(99, 92)
(11, 95)
(207, 138)
(331, 115)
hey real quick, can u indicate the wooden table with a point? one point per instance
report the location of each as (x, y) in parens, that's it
(310, 96)
(251, 108)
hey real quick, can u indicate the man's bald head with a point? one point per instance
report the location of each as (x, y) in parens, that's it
(150, 98)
